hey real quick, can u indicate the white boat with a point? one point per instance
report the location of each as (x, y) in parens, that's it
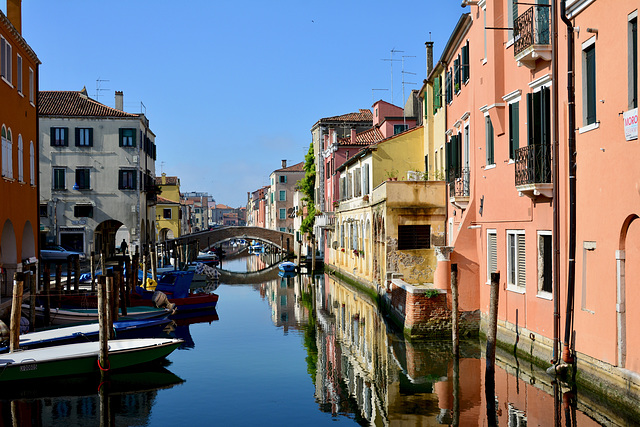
(82, 358)
(64, 316)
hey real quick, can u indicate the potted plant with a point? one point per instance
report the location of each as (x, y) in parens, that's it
(392, 175)
(342, 249)
(365, 198)
(336, 204)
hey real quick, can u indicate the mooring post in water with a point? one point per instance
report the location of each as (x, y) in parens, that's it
(58, 276)
(76, 273)
(128, 283)
(103, 311)
(110, 305)
(34, 290)
(493, 321)
(69, 270)
(16, 311)
(93, 271)
(154, 263)
(454, 310)
(490, 379)
(46, 278)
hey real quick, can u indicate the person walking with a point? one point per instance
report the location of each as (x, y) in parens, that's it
(123, 247)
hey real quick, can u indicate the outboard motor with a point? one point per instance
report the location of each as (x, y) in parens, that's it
(160, 300)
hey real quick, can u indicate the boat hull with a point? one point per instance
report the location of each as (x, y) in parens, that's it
(82, 358)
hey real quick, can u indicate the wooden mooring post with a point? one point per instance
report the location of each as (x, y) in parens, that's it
(16, 311)
(32, 299)
(46, 279)
(103, 313)
(93, 270)
(492, 332)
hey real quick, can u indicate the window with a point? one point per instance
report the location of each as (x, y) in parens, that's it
(437, 94)
(83, 181)
(43, 210)
(84, 137)
(31, 86)
(453, 150)
(282, 196)
(545, 262)
(5, 60)
(512, 16)
(399, 128)
(283, 179)
(59, 179)
(489, 140)
(448, 92)
(365, 179)
(539, 117)
(19, 72)
(7, 153)
(166, 213)
(492, 253)
(59, 137)
(127, 179)
(357, 175)
(514, 129)
(589, 82)
(633, 60)
(127, 137)
(457, 74)
(414, 237)
(83, 211)
(32, 164)
(484, 25)
(516, 258)
(464, 65)
(20, 160)
(282, 213)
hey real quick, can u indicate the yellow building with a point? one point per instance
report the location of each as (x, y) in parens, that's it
(168, 212)
(389, 218)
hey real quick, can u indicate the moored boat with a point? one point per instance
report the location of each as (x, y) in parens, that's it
(65, 316)
(287, 266)
(82, 358)
(145, 328)
(176, 286)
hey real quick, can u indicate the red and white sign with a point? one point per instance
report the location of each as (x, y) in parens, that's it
(631, 124)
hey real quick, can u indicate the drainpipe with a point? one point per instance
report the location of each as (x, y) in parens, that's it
(566, 352)
(556, 183)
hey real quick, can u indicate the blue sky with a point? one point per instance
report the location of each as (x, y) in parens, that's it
(232, 88)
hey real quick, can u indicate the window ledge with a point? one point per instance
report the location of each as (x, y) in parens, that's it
(589, 128)
(516, 289)
(491, 166)
(545, 295)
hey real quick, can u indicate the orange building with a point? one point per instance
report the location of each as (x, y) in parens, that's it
(19, 134)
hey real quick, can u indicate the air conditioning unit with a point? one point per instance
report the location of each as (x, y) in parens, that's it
(413, 176)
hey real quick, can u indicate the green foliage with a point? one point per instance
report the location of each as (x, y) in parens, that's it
(307, 187)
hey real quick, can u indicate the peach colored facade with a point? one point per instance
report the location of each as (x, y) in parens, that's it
(498, 93)
(19, 134)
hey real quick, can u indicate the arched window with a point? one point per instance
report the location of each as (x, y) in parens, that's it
(32, 164)
(7, 153)
(20, 160)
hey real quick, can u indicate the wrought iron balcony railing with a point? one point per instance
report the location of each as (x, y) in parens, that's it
(459, 182)
(531, 28)
(533, 165)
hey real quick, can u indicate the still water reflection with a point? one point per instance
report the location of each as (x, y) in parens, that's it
(305, 351)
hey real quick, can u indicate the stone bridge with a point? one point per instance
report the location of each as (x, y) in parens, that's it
(210, 238)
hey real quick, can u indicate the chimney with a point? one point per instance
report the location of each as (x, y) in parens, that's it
(429, 46)
(119, 101)
(284, 164)
(353, 136)
(164, 178)
(14, 13)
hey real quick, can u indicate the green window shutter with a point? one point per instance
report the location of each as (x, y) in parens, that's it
(90, 137)
(590, 72)
(66, 137)
(447, 152)
(120, 136)
(52, 136)
(135, 182)
(120, 179)
(77, 137)
(514, 129)
(133, 138)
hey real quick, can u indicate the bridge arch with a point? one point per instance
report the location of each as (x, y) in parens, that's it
(210, 238)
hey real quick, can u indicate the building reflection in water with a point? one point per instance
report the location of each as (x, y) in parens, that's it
(364, 370)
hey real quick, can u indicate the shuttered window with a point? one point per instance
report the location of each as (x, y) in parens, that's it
(59, 137)
(127, 137)
(516, 256)
(489, 140)
(514, 129)
(590, 84)
(414, 237)
(492, 254)
(365, 179)
(84, 137)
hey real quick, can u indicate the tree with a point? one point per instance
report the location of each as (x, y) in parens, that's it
(307, 187)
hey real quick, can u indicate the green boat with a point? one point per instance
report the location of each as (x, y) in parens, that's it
(82, 358)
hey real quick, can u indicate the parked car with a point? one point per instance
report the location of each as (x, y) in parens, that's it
(59, 253)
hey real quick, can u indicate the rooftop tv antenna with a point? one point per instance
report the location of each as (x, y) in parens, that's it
(98, 88)
(404, 119)
(373, 96)
(391, 61)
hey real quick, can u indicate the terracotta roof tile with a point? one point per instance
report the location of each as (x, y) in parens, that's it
(369, 136)
(170, 180)
(75, 104)
(162, 200)
(364, 115)
(295, 168)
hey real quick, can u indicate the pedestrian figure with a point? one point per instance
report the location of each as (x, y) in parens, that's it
(123, 247)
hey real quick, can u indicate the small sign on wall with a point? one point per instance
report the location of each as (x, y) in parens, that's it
(631, 124)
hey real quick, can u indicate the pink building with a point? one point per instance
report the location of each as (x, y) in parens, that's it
(510, 209)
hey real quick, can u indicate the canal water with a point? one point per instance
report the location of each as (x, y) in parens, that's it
(305, 351)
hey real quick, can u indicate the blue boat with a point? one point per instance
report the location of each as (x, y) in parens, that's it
(147, 328)
(176, 286)
(287, 266)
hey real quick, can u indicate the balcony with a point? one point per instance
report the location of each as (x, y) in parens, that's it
(459, 188)
(531, 36)
(533, 171)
